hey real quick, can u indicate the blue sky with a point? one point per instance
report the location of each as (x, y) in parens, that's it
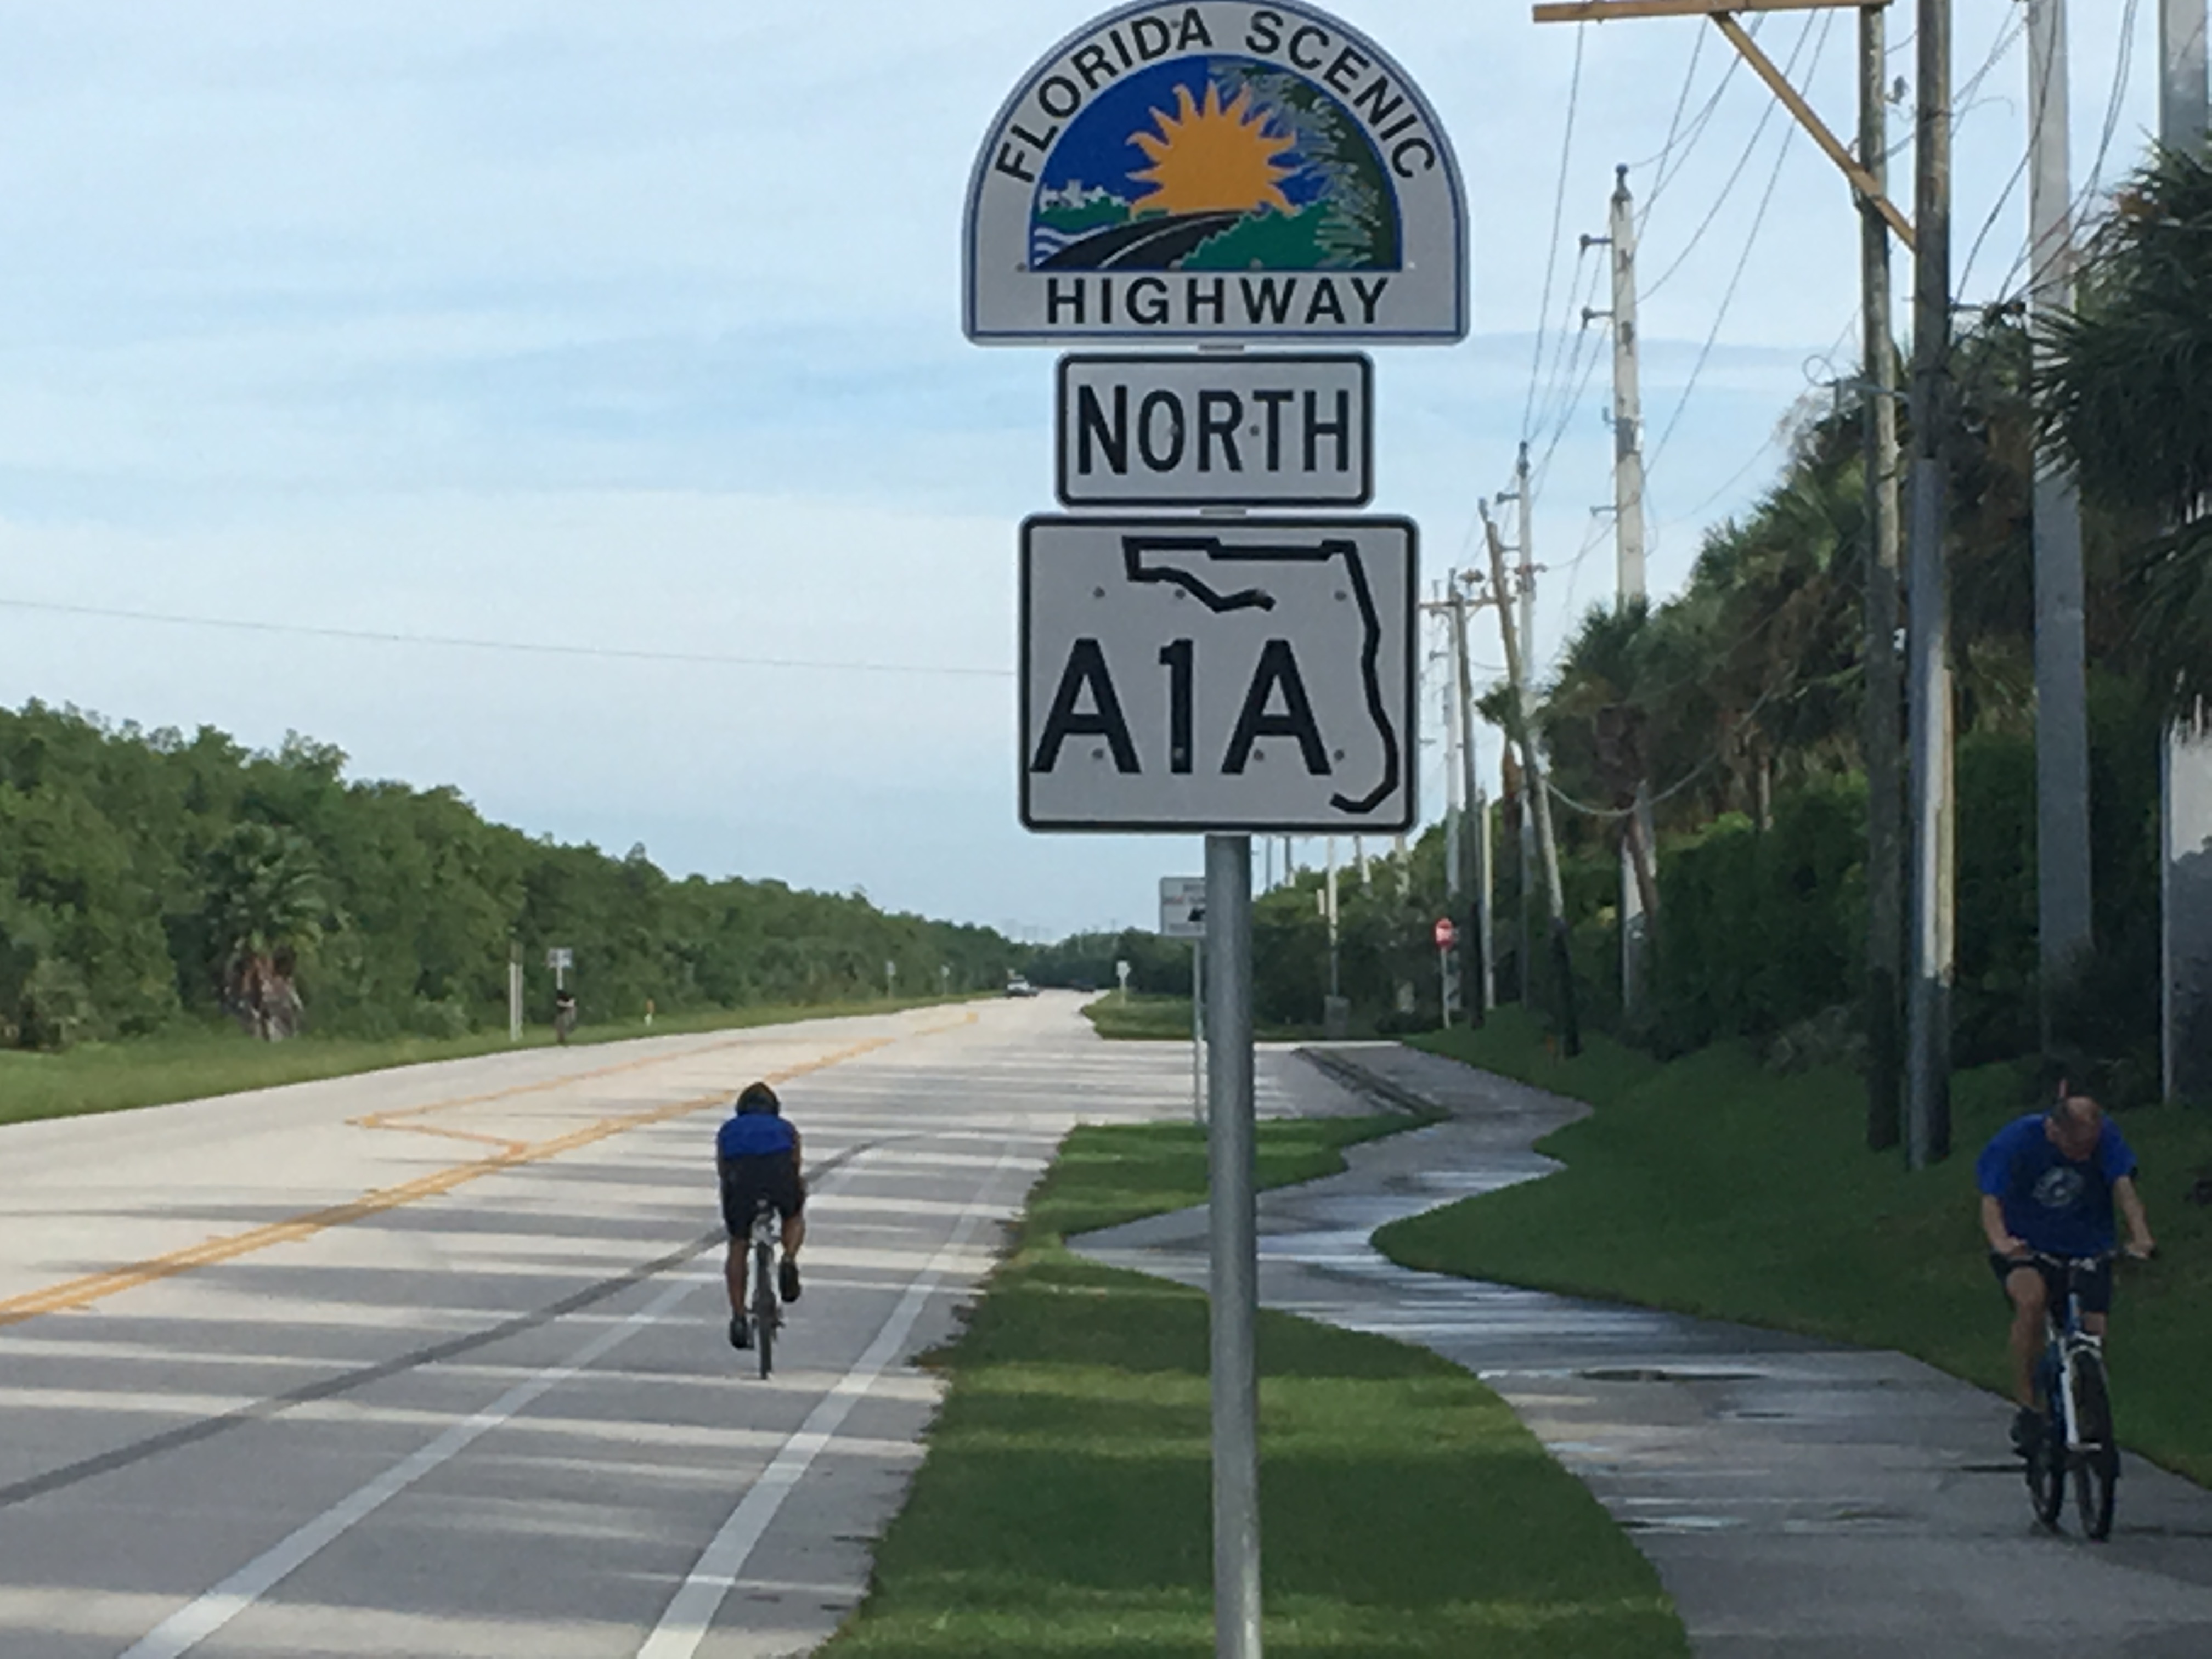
(637, 329)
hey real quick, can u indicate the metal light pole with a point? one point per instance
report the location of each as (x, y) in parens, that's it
(2064, 931)
(2185, 775)
(1233, 1220)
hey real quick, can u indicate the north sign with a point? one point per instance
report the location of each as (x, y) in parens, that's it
(1215, 171)
(1251, 676)
(1209, 430)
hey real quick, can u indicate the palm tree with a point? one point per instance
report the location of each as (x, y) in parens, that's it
(265, 902)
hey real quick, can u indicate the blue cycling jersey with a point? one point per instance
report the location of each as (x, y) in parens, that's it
(755, 1134)
(2051, 1203)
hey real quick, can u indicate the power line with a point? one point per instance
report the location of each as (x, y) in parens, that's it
(1759, 132)
(1559, 213)
(1736, 282)
(370, 636)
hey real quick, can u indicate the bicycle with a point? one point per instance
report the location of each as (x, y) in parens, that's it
(765, 1316)
(2076, 1439)
(564, 1022)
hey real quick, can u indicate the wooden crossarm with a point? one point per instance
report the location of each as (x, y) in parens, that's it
(1598, 11)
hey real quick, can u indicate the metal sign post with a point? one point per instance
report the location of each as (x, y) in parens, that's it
(1233, 1216)
(1206, 172)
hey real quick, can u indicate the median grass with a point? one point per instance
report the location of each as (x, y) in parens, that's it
(1711, 1185)
(1062, 1512)
(1143, 1017)
(196, 1062)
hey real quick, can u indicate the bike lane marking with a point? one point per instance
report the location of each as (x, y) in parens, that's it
(192, 1624)
(201, 1617)
(691, 1612)
(89, 1288)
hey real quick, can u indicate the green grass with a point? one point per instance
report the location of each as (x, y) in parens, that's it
(220, 1060)
(1710, 1186)
(1062, 1512)
(1142, 1016)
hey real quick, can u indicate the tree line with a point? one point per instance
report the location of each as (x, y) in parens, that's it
(149, 878)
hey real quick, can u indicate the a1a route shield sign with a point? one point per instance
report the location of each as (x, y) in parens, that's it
(1254, 675)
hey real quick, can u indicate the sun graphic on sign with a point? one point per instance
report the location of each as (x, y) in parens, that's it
(1207, 158)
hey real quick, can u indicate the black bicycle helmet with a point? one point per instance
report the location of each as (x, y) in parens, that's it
(759, 1097)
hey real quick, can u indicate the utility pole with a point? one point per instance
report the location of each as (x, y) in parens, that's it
(1629, 587)
(1933, 961)
(1627, 402)
(2185, 777)
(2064, 930)
(1329, 1014)
(1525, 525)
(1885, 684)
(1476, 925)
(1532, 772)
(1447, 991)
(2181, 80)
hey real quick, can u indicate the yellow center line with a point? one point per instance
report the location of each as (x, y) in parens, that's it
(95, 1287)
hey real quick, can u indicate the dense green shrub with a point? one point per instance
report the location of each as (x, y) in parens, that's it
(125, 857)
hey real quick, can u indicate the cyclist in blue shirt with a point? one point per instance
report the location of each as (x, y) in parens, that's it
(2049, 1182)
(756, 1155)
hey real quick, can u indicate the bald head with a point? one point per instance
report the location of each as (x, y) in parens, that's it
(2076, 1124)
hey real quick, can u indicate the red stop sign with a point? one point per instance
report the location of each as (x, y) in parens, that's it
(1446, 935)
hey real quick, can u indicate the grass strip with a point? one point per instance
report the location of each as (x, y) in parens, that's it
(1710, 1186)
(195, 1063)
(1144, 1017)
(1063, 1510)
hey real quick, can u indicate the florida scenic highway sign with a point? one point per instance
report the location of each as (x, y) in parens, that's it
(1215, 171)
(1230, 676)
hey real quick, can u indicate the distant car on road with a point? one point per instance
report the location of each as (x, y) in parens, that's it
(1020, 988)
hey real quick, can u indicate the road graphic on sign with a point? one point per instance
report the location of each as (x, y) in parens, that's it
(1144, 554)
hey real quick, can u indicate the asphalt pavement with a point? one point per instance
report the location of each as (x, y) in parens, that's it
(434, 1361)
(1800, 1500)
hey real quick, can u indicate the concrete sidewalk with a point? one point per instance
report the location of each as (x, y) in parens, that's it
(1799, 1499)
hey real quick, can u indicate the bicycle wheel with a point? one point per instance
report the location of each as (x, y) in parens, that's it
(764, 1309)
(2097, 1470)
(2046, 1474)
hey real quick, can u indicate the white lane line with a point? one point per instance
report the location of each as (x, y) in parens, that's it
(684, 1626)
(191, 1625)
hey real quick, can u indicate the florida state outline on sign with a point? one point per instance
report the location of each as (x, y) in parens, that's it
(1215, 171)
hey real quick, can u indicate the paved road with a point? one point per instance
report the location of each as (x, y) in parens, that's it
(433, 1362)
(1800, 1501)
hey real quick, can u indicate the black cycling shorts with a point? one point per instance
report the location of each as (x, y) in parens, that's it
(2095, 1283)
(746, 1181)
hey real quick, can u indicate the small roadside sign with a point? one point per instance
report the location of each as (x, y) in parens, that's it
(1446, 935)
(1183, 906)
(1153, 430)
(1253, 676)
(560, 957)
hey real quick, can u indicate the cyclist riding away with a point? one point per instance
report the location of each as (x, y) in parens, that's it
(757, 1155)
(2049, 1182)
